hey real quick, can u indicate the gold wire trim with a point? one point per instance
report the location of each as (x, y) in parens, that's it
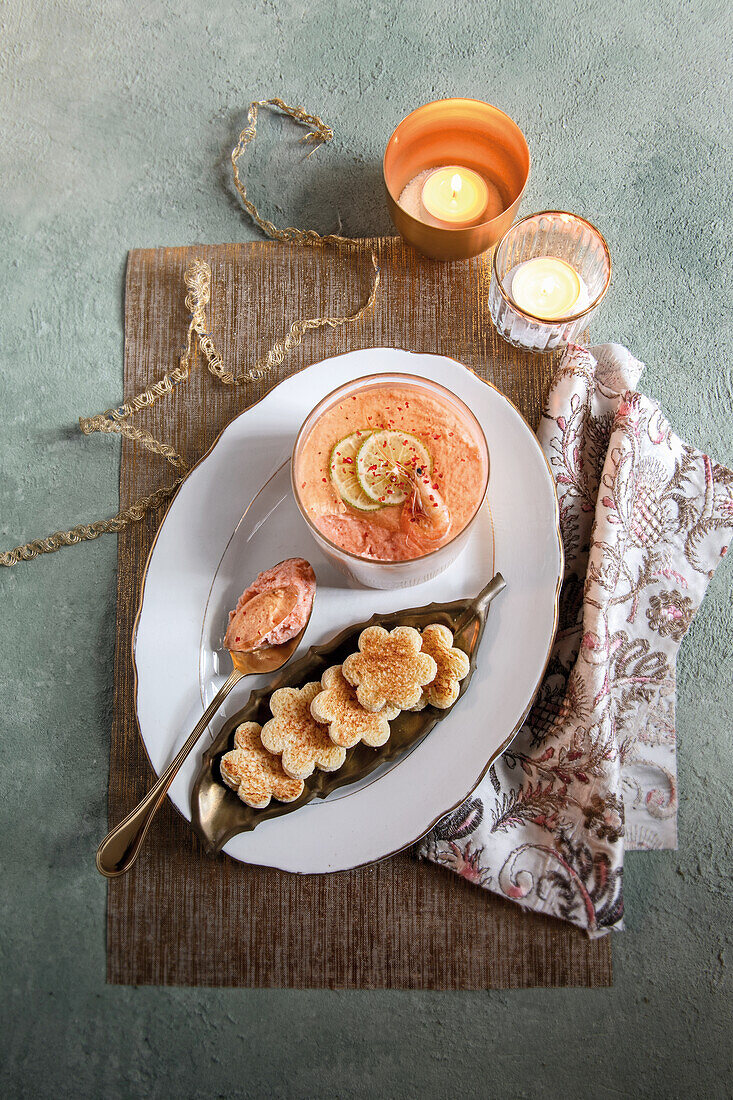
(198, 281)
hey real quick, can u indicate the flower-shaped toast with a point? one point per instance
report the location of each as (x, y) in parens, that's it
(348, 721)
(256, 775)
(294, 733)
(389, 669)
(453, 666)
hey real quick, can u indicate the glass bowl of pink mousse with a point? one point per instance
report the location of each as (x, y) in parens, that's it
(389, 473)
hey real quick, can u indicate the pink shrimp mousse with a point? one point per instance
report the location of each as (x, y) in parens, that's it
(273, 609)
(438, 477)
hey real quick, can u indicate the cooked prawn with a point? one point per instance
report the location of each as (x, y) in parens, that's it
(425, 518)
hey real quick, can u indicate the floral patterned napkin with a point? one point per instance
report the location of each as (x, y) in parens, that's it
(645, 519)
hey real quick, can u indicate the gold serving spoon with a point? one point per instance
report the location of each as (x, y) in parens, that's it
(119, 850)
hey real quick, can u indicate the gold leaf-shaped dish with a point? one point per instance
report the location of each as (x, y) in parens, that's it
(217, 812)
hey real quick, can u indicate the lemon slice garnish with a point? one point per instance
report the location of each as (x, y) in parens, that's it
(384, 461)
(344, 476)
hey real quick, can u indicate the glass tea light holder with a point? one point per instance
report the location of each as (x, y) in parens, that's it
(550, 272)
(454, 172)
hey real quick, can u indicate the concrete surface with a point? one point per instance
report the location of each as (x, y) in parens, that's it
(117, 121)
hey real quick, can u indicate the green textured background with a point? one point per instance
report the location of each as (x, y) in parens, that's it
(117, 121)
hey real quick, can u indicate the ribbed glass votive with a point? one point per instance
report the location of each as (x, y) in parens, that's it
(549, 234)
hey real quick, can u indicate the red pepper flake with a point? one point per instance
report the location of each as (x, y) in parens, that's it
(348, 461)
(353, 399)
(436, 437)
(303, 485)
(236, 639)
(323, 479)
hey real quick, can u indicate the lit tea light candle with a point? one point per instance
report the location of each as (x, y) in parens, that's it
(451, 198)
(455, 195)
(547, 288)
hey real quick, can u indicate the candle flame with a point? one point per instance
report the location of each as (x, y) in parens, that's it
(456, 184)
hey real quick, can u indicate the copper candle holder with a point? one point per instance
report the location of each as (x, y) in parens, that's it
(463, 132)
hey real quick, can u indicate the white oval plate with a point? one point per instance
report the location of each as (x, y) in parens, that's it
(234, 516)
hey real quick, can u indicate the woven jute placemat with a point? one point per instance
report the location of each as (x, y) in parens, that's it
(182, 918)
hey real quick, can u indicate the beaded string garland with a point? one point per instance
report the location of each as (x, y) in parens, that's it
(198, 283)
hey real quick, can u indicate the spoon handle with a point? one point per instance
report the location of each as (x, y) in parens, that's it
(119, 850)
